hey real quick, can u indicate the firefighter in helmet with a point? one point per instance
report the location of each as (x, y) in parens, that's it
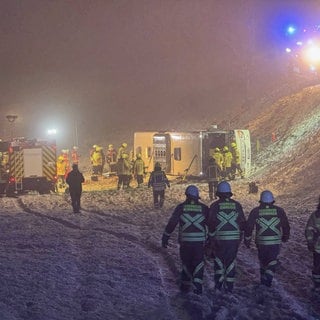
(218, 157)
(226, 225)
(236, 167)
(191, 215)
(123, 171)
(272, 228)
(138, 169)
(61, 170)
(96, 160)
(111, 158)
(75, 155)
(122, 149)
(227, 163)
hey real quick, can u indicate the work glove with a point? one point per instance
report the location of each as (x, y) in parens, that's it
(247, 243)
(165, 241)
(310, 247)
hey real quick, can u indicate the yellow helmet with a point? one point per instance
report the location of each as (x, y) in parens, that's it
(60, 158)
(225, 148)
(124, 145)
(233, 144)
(110, 146)
(217, 149)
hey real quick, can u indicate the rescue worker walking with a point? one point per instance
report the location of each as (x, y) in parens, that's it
(138, 170)
(236, 167)
(212, 174)
(272, 228)
(74, 180)
(191, 215)
(158, 181)
(312, 234)
(227, 163)
(226, 225)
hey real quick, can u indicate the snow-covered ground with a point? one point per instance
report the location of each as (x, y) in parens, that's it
(107, 262)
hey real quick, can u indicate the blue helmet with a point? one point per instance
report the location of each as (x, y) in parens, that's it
(192, 192)
(266, 197)
(224, 187)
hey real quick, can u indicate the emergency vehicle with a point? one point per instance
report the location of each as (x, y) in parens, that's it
(27, 165)
(187, 153)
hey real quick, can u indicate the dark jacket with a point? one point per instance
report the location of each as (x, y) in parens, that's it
(74, 180)
(271, 225)
(192, 217)
(226, 220)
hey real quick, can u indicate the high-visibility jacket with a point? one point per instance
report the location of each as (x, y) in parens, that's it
(96, 158)
(61, 168)
(218, 157)
(235, 155)
(312, 231)
(191, 216)
(227, 159)
(138, 167)
(271, 223)
(226, 220)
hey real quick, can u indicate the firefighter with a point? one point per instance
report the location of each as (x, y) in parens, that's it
(65, 154)
(61, 171)
(191, 215)
(227, 162)
(123, 171)
(218, 157)
(138, 170)
(158, 181)
(74, 180)
(236, 168)
(111, 158)
(75, 155)
(212, 174)
(272, 228)
(96, 160)
(312, 233)
(122, 149)
(226, 226)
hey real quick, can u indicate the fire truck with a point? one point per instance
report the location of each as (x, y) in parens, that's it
(187, 153)
(27, 165)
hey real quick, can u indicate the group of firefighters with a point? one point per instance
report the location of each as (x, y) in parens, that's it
(120, 162)
(216, 232)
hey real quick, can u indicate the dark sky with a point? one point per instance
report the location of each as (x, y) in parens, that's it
(110, 66)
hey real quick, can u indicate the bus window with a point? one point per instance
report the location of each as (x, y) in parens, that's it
(177, 154)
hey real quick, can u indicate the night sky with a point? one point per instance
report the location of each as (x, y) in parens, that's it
(104, 67)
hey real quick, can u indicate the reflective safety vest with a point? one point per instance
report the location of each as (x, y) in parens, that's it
(192, 224)
(268, 231)
(228, 227)
(271, 225)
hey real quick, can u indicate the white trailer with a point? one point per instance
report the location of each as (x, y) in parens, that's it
(187, 153)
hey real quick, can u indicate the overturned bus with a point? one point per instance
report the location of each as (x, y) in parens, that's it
(188, 153)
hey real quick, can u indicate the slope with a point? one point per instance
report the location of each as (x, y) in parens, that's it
(289, 164)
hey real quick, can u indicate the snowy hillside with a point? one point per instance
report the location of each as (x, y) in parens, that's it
(106, 263)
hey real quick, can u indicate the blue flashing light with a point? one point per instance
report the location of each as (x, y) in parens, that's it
(291, 30)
